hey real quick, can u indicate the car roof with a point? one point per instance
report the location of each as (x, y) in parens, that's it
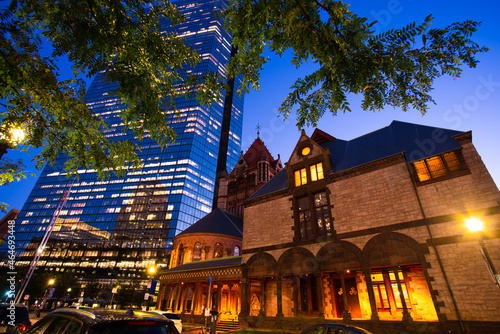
(8, 304)
(101, 315)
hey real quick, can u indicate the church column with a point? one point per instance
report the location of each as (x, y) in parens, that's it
(244, 293)
(159, 303)
(371, 294)
(173, 297)
(229, 303)
(184, 289)
(319, 290)
(296, 295)
(262, 282)
(219, 296)
(279, 297)
(347, 314)
(196, 298)
(406, 314)
(186, 298)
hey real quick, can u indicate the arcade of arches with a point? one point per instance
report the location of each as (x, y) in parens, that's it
(384, 281)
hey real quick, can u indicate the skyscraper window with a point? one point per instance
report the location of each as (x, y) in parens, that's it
(145, 209)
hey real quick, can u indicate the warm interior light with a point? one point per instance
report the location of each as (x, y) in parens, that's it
(51, 282)
(474, 224)
(306, 150)
(152, 270)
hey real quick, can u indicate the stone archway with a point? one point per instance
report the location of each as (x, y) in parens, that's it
(343, 281)
(398, 278)
(301, 283)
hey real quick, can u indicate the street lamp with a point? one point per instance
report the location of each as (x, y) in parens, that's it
(151, 286)
(152, 270)
(14, 137)
(42, 304)
(475, 225)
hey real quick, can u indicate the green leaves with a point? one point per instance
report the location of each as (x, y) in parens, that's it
(390, 69)
(123, 39)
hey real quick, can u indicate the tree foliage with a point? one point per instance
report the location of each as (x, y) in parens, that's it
(125, 40)
(396, 68)
(122, 38)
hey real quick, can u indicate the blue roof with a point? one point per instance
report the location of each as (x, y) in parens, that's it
(218, 221)
(418, 141)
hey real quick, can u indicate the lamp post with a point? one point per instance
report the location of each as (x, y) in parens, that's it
(42, 304)
(151, 286)
(476, 226)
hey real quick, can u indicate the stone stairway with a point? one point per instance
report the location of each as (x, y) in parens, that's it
(227, 325)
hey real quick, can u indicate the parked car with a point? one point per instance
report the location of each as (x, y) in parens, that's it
(14, 318)
(172, 316)
(335, 329)
(102, 321)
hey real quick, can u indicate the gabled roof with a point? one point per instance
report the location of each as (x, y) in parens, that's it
(418, 141)
(320, 136)
(255, 153)
(218, 221)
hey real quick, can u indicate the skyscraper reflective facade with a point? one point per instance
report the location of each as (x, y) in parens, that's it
(124, 224)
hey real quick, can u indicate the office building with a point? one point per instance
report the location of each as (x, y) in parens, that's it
(117, 228)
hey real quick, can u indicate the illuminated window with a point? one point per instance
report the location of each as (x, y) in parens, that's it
(197, 251)
(316, 222)
(180, 256)
(306, 150)
(236, 251)
(386, 290)
(437, 166)
(316, 172)
(300, 177)
(218, 250)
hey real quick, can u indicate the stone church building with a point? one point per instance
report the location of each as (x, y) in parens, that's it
(371, 232)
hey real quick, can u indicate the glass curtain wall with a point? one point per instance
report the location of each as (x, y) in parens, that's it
(128, 222)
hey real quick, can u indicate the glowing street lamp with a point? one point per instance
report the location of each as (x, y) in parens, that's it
(15, 136)
(152, 270)
(476, 225)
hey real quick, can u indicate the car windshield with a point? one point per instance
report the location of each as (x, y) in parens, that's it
(126, 329)
(20, 312)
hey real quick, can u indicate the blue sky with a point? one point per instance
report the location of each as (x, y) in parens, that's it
(471, 102)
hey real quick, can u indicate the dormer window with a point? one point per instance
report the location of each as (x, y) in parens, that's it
(300, 177)
(315, 172)
(438, 166)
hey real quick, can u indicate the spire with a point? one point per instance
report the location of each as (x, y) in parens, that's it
(258, 130)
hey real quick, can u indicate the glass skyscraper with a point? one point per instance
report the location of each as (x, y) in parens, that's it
(118, 227)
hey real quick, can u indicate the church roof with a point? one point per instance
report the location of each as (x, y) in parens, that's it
(206, 264)
(218, 221)
(418, 141)
(257, 152)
